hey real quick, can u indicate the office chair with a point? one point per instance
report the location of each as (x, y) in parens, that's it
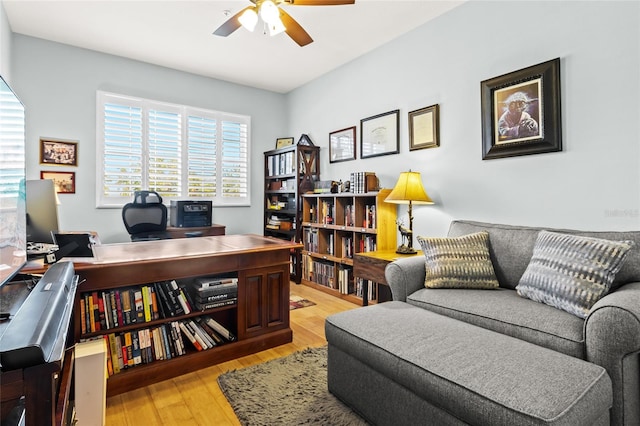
(146, 217)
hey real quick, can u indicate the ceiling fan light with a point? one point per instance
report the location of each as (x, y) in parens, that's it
(269, 12)
(249, 19)
(276, 27)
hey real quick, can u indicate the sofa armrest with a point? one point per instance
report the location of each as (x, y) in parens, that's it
(405, 276)
(612, 336)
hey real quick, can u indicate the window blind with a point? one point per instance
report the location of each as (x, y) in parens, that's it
(179, 151)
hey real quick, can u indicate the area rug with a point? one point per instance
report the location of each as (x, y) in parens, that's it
(286, 391)
(296, 302)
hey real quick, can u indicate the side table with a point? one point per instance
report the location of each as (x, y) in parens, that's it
(371, 265)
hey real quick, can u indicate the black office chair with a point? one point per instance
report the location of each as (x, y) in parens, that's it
(146, 217)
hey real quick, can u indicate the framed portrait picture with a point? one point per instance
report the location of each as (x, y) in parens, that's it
(423, 128)
(64, 182)
(282, 142)
(380, 134)
(342, 145)
(58, 152)
(521, 112)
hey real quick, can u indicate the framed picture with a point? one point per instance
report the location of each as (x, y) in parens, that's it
(282, 142)
(60, 152)
(521, 112)
(423, 128)
(342, 145)
(64, 182)
(380, 134)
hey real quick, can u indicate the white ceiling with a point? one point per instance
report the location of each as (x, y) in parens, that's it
(178, 34)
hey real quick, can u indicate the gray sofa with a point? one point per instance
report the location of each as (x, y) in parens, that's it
(464, 356)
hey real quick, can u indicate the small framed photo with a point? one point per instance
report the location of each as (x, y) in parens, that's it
(282, 142)
(521, 112)
(380, 134)
(424, 128)
(64, 182)
(58, 152)
(342, 145)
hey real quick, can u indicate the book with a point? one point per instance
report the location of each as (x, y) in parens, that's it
(220, 329)
(216, 304)
(190, 337)
(137, 297)
(211, 332)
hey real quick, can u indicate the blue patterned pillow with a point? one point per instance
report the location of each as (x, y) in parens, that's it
(571, 272)
(459, 262)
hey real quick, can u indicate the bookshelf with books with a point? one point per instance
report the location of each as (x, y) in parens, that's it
(337, 226)
(289, 172)
(169, 307)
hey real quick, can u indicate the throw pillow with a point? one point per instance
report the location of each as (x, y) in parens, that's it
(460, 262)
(571, 272)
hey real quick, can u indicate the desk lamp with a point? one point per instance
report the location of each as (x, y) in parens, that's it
(408, 190)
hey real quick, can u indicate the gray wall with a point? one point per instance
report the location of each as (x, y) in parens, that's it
(58, 84)
(594, 183)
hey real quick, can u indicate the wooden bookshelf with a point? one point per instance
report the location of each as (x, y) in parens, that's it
(337, 226)
(289, 172)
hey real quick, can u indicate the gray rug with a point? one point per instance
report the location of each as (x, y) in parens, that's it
(286, 391)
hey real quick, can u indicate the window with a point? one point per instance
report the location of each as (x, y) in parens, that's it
(179, 151)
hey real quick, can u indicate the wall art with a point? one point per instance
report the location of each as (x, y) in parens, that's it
(380, 134)
(342, 145)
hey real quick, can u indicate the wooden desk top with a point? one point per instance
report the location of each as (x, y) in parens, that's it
(172, 248)
(386, 255)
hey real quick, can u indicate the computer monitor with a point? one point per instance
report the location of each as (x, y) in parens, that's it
(42, 211)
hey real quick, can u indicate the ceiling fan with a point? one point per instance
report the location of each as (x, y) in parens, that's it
(275, 19)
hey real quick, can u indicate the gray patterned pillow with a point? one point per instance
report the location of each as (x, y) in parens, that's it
(460, 262)
(571, 272)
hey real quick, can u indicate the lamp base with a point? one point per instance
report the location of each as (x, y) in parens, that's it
(403, 249)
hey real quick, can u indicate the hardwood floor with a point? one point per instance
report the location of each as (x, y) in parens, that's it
(196, 398)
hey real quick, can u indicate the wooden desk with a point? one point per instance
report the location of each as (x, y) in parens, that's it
(371, 266)
(205, 231)
(259, 320)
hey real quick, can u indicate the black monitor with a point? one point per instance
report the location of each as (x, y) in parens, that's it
(42, 211)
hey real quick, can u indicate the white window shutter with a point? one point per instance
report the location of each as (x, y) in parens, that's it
(165, 153)
(201, 142)
(122, 156)
(234, 176)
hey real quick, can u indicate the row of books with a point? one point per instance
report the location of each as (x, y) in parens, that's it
(115, 308)
(319, 272)
(345, 280)
(310, 239)
(359, 288)
(362, 182)
(166, 341)
(281, 164)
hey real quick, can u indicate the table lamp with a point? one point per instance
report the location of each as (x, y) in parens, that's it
(408, 190)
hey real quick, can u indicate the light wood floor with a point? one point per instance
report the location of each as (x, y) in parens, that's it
(196, 398)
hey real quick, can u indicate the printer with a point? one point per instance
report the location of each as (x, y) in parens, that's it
(190, 214)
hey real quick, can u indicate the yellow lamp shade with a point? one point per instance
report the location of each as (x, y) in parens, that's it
(408, 189)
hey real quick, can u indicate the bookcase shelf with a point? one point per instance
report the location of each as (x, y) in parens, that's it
(337, 226)
(289, 172)
(259, 320)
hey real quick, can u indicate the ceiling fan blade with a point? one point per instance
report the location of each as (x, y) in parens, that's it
(231, 24)
(320, 2)
(295, 30)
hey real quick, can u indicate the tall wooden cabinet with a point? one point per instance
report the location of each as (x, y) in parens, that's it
(289, 172)
(337, 226)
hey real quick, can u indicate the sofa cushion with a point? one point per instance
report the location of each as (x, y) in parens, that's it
(502, 310)
(572, 272)
(511, 248)
(462, 262)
